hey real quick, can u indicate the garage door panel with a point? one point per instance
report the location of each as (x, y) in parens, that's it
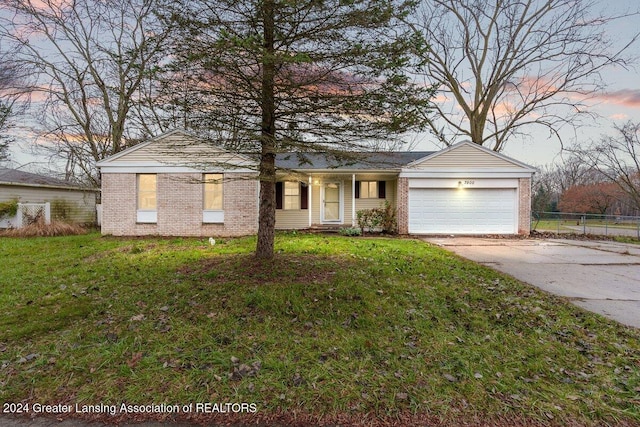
(467, 211)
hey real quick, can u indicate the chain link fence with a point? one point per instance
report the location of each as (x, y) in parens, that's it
(581, 223)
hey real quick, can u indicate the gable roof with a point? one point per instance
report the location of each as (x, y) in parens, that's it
(468, 155)
(186, 151)
(180, 148)
(174, 148)
(17, 177)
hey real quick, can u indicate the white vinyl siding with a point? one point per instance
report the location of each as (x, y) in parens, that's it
(178, 149)
(69, 205)
(465, 157)
(390, 196)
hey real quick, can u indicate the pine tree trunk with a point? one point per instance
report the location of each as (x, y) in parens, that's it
(267, 213)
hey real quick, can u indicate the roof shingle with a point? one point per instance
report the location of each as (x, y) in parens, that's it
(15, 176)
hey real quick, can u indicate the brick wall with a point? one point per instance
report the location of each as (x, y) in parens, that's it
(524, 214)
(179, 206)
(403, 205)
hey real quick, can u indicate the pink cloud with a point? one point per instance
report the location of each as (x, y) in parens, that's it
(624, 97)
(619, 117)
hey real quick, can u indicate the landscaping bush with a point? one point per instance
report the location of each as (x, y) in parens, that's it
(350, 231)
(8, 208)
(382, 218)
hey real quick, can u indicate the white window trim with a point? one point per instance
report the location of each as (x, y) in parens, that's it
(146, 217)
(212, 217)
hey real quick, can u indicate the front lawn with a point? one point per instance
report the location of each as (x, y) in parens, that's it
(333, 330)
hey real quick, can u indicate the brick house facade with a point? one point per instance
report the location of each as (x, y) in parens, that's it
(158, 188)
(180, 200)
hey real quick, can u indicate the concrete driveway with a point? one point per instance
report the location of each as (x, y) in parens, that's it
(600, 276)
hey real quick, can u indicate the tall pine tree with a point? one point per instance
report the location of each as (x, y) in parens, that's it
(271, 76)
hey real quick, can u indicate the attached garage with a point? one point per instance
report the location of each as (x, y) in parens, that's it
(466, 189)
(463, 211)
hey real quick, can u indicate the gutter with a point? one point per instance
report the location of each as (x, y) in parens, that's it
(54, 187)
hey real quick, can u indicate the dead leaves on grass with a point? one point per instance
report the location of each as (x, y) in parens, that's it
(134, 360)
(282, 269)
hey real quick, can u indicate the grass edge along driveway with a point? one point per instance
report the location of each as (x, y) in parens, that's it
(333, 330)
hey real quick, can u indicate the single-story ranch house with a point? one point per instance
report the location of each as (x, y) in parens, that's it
(176, 185)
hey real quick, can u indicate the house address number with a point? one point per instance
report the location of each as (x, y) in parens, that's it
(469, 182)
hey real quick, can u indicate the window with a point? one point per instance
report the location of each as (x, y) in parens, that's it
(291, 195)
(147, 195)
(213, 192)
(147, 198)
(369, 189)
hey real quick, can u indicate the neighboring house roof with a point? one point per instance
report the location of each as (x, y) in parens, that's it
(21, 178)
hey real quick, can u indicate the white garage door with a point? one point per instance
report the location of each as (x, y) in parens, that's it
(466, 211)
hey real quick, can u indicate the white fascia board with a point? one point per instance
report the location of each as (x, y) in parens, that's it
(484, 173)
(164, 168)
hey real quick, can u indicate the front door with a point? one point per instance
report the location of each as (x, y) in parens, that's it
(331, 202)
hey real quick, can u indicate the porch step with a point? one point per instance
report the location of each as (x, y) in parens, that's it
(326, 228)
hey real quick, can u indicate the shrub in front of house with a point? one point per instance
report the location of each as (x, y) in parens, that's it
(378, 219)
(8, 208)
(350, 231)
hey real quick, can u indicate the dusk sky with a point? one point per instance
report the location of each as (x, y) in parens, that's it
(620, 103)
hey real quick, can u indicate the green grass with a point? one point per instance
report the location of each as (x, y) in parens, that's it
(333, 327)
(553, 224)
(626, 239)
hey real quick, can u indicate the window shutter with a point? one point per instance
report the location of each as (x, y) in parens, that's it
(304, 196)
(279, 195)
(382, 191)
(357, 195)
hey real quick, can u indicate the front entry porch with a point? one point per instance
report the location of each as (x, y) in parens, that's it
(331, 200)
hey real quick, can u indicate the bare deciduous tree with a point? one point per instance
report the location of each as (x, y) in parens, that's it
(552, 181)
(10, 78)
(5, 139)
(504, 65)
(618, 158)
(88, 59)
